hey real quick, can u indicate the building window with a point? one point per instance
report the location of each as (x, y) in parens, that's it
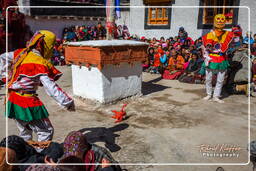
(157, 18)
(206, 15)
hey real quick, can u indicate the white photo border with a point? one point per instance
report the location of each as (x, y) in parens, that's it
(135, 164)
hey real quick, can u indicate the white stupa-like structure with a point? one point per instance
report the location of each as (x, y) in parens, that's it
(106, 70)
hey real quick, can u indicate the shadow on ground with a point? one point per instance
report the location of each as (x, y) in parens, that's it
(150, 86)
(106, 135)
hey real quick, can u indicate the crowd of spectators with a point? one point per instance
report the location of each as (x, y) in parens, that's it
(181, 57)
(85, 33)
(95, 32)
(178, 57)
(175, 57)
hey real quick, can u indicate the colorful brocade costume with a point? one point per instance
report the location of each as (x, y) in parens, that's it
(28, 70)
(216, 44)
(217, 48)
(23, 104)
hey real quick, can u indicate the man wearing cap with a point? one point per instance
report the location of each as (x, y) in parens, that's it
(248, 38)
(216, 44)
(30, 68)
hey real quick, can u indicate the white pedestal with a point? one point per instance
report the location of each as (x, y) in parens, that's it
(110, 84)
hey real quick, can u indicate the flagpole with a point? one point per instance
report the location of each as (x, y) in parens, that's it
(110, 12)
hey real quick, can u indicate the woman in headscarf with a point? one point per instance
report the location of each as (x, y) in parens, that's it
(126, 33)
(78, 150)
(175, 66)
(76, 146)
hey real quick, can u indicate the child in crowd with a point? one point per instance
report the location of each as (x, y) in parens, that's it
(176, 61)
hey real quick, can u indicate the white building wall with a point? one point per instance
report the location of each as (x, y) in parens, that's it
(25, 10)
(243, 15)
(179, 17)
(134, 19)
(125, 18)
(185, 17)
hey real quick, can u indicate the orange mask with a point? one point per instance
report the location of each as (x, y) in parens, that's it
(219, 21)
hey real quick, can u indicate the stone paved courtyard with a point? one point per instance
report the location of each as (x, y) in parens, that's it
(164, 125)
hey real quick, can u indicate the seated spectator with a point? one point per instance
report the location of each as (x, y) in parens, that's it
(183, 51)
(198, 43)
(167, 42)
(182, 35)
(163, 61)
(172, 41)
(101, 31)
(150, 59)
(71, 35)
(81, 34)
(239, 76)
(237, 30)
(126, 32)
(253, 49)
(175, 66)
(194, 63)
(165, 46)
(153, 40)
(55, 58)
(248, 38)
(176, 61)
(78, 150)
(7, 154)
(154, 68)
(253, 76)
(186, 59)
(64, 33)
(191, 74)
(162, 40)
(24, 152)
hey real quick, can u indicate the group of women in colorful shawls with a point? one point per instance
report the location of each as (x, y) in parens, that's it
(175, 58)
(172, 64)
(74, 154)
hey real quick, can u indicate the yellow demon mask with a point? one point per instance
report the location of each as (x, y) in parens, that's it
(49, 42)
(219, 21)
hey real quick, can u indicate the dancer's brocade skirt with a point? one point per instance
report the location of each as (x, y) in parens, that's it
(25, 107)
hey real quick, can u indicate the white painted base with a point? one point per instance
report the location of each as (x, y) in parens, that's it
(110, 84)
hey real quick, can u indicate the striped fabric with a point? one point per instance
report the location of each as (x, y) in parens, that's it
(218, 49)
(25, 107)
(34, 71)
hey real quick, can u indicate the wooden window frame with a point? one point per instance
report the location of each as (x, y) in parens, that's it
(161, 23)
(203, 25)
(157, 20)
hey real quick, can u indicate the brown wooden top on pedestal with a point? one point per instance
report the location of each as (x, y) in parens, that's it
(100, 53)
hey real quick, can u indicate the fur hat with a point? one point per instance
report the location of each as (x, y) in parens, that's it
(4, 166)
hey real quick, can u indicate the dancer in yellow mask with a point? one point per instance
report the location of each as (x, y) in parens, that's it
(29, 69)
(216, 44)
